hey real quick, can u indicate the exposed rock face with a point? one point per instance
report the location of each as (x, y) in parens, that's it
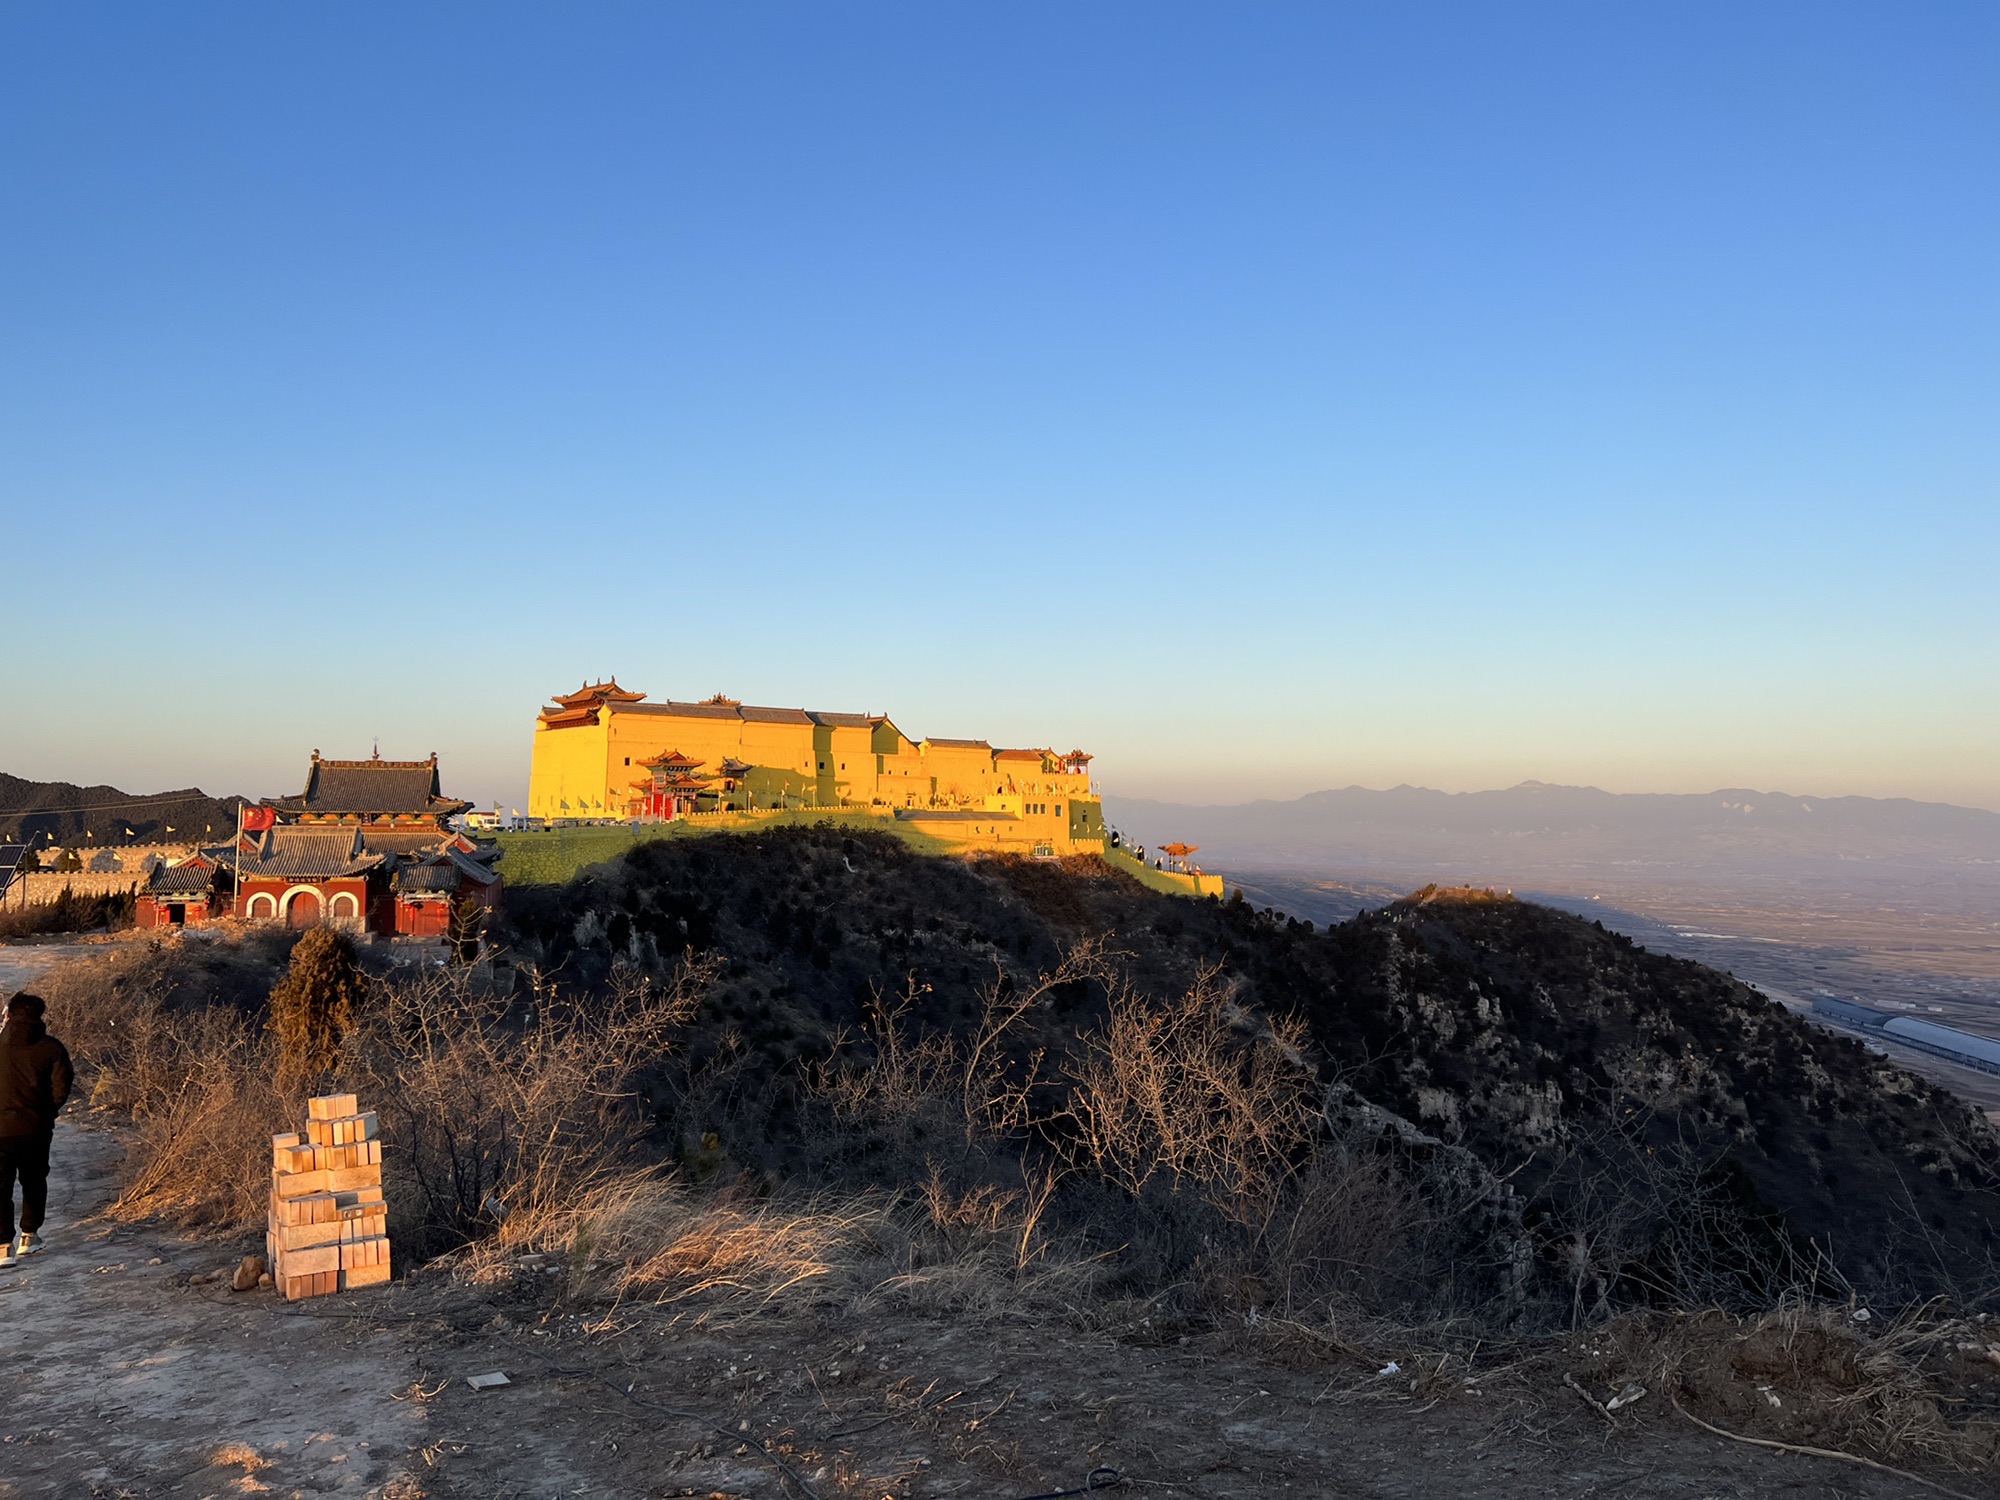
(1487, 1240)
(1652, 1122)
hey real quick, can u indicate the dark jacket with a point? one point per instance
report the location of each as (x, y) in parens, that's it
(35, 1075)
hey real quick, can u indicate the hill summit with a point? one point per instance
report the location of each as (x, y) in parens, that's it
(1596, 1121)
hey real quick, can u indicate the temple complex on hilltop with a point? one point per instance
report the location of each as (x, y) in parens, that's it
(606, 754)
(363, 847)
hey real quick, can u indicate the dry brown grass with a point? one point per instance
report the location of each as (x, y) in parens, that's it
(1906, 1390)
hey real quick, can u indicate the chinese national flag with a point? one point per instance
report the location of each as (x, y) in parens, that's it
(257, 819)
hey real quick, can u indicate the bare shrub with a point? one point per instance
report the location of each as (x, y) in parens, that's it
(204, 1103)
(1350, 1238)
(1195, 1094)
(315, 1007)
(492, 1108)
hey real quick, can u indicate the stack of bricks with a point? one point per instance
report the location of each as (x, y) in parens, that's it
(329, 1228)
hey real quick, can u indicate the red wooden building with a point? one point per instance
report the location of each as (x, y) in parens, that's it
(186, 893)
(363, 847)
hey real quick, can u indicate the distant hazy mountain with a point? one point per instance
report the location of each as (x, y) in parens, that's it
(29, 810)
(1537, 829)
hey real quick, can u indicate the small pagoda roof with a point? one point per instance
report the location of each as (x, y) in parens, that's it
(1178, 851)
(731, 766)
(370, 788)
(944, 744)
(673, 760)
(1078, 755)
(592, 693)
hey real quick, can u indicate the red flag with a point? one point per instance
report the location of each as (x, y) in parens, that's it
(257, 819)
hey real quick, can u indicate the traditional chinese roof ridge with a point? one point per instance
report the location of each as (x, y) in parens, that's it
(373, 787)
(191, 877)
(1037, 756)
(935, 739)
(846, 721)
(598, 692)
(671, 760)
(423, 841)
(303, 852)
(440, 877)
(1178, 851)
(562, 718)
(1078, 755)
(731, 766)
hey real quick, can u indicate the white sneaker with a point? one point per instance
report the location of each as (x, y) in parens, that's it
(9, 1261)
(30, 1245)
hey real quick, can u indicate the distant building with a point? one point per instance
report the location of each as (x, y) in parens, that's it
(369, 791)
(184, 893)
(606, 754)
(363, 847)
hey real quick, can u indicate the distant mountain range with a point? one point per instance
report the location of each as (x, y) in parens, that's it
(36, 811)
(1535, 829)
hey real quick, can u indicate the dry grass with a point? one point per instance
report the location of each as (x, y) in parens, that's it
(1904, 1390)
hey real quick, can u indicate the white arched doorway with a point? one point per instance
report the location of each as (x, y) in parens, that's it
(343, 910)
(263, 907)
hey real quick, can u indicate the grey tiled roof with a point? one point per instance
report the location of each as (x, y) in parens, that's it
(751, 713)
(371, 786)
(405, 841)
(846, 721)
(191, 879)
(428, 878)
(955, 744)
(290, 852)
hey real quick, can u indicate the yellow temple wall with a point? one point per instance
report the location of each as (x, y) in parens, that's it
(569, 765)
(593, 768)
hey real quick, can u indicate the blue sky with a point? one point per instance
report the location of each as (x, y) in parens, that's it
(1264, 397)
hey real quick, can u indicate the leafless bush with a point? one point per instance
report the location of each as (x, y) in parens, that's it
(1195, 1094)
(204, 1103)
(492, 1109)
(1638, 1211)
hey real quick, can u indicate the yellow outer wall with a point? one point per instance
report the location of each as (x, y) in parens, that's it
(592, 769)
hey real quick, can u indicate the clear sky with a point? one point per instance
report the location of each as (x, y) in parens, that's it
(1265, 397)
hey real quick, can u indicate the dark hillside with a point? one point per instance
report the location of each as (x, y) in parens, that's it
(1661, 1125)
(35, 811)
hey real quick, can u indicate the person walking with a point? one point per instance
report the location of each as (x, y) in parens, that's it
(35, 1078)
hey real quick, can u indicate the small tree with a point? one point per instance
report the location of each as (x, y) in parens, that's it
(315, 1006)
(463, 931)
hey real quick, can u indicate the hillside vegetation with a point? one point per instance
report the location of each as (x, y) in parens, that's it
(1567, 1122)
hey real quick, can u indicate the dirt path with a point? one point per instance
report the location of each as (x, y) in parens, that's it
(119, 1379)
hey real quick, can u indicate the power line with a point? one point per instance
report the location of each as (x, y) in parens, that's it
(179, 797)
